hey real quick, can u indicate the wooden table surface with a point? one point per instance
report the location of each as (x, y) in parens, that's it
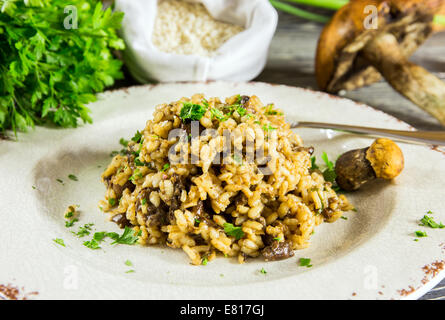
(291, 62)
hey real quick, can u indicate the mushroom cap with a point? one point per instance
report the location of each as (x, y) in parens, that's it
(386, 158)
(339, 64)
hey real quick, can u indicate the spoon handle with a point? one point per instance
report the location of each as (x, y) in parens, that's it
(428, 137)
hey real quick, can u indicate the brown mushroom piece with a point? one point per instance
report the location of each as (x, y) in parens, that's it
(382, 160)
(351, 54)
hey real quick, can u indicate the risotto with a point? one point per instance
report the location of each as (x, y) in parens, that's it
(215, 177)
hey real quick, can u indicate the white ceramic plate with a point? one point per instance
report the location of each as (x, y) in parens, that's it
(372, 255)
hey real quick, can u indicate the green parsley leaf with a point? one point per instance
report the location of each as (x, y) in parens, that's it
(137, 137)
(92, 244)
(427, 221)
(268, 128)
(59, 242)
(136, 175)
(263, 271)
(129, 237)
(305, 262)
(191, 111)
(313, 164)
(241, 111)
(344, 218)
(165, 167)
(73, 177)
(218, 114)
(123, 142)
(84, 230)
(128, 263)
(69, 224)
(233, 231)
(112, 202)
(326, 160)
(204, 261)
(99, 236)
(421, 234)
(130, 271)
(271, 111)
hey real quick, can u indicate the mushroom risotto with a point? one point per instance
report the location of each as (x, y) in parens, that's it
(220, 177)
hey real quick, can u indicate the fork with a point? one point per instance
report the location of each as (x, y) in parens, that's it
(428, 137)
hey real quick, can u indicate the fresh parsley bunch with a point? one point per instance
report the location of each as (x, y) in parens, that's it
(49, 72)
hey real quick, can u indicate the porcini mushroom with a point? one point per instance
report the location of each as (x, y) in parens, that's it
(352, 54)
(382, 160)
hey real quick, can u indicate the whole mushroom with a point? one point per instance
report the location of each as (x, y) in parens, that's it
(351, 55)
(382, 160)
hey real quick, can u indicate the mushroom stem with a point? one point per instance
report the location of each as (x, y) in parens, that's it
(414, 82)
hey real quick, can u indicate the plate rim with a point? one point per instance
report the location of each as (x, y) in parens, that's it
(417, 292)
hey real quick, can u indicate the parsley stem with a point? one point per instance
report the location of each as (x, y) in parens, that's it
(299, 12)
(325, 4)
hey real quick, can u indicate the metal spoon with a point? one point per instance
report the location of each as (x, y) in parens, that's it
(428, 137)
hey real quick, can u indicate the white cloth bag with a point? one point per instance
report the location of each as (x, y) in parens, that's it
(241, 58)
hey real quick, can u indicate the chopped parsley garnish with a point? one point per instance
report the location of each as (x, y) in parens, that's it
(204, 261)
(277, 239)
(123, 142)
(271, 111)
(313, 164)
(136, 175)
(192, 111)
(59, 180)
(129, 236)
(233, 231)
(69, 224)
(99, 236)
(84, 231)
(73, 177)
(112, 202)
(165, 167)
(427, 221)
(92, 244)
(305, 262)
(59, 242)
(268, 128)
(130, 271)
(218, 114)
(144, 201)
(139, 163)
(137, 137)
(69, 214)
(263, 271)
(328, 174)
(344, 218)
(241, 111)
(197, 222)
(128, 263)
(421, 234)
